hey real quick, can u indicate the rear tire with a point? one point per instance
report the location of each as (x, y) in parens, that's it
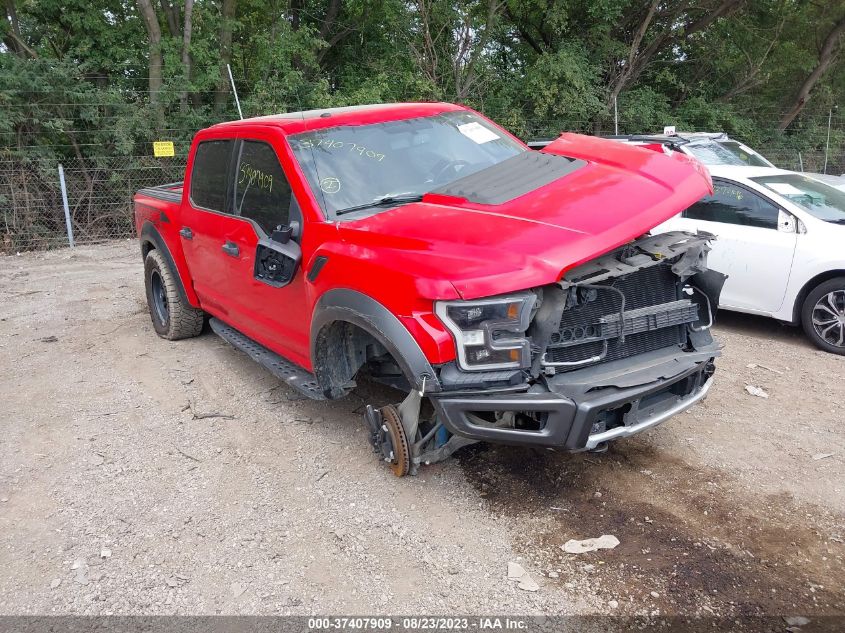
(172, 316)
(823, 316)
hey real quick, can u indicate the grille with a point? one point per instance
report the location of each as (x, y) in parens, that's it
(643, 288)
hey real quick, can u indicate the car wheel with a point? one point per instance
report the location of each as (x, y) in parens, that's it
(823, 315)
(173, 318)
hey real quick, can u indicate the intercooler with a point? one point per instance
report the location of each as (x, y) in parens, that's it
(656, 312)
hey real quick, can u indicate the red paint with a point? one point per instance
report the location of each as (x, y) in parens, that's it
(440, 248)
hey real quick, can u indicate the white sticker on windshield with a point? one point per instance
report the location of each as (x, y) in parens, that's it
(784, 189)
(477, 132)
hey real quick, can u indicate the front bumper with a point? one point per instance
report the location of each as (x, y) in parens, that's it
(575, 418)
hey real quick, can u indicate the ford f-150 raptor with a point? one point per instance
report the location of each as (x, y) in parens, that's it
(428, 248)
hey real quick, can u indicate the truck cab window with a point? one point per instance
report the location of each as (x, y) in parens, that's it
(208, 176)
(261, 191)
(731, 204)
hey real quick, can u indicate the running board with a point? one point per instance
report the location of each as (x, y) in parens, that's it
(279, 366)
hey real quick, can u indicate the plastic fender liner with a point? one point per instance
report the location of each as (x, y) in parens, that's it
(710, 282)
(343, 304)
(149, 233)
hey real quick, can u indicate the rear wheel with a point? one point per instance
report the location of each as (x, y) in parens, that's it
(173, 318)
(823, 315)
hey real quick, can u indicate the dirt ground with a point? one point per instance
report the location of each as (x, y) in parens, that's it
(139, 476)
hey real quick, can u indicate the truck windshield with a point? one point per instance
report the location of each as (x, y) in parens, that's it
(823, 201)
(356, 168)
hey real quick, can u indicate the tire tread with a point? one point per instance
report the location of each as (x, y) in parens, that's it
(185, 320)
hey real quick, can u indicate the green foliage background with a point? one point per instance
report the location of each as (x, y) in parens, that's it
(538, 66)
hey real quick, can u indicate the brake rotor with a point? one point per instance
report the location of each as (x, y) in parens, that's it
(400, 463)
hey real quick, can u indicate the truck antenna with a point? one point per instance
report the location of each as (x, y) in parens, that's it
(235, 91)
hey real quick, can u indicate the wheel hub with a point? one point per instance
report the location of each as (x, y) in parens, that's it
(159, 297)
(387, 435)
(829, 318)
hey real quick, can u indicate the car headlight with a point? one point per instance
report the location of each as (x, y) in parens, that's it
(490, 333)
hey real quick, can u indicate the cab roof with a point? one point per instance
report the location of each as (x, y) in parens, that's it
(305, 120)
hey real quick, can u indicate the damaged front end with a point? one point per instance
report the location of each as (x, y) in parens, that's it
(618, 345)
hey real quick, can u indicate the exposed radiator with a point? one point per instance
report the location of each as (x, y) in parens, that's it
(655, 317)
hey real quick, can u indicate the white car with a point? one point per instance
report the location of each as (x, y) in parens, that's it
(781, 241)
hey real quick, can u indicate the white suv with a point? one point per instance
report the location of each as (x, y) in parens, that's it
(781, 241)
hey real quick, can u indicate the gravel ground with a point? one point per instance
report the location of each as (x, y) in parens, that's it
(140, 476)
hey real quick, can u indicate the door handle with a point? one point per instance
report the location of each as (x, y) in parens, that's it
(231, 249)
(187, 233)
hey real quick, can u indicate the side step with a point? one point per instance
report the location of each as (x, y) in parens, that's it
(280, 367)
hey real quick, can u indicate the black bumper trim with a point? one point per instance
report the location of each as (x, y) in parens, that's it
(569, 421)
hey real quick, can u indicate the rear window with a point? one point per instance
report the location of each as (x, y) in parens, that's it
(209, 175)
(712, 153)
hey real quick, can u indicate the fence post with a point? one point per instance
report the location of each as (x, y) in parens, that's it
(827, 144)
(615, 118)
(67, 208)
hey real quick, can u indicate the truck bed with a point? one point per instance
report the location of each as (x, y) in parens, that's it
(171, 192)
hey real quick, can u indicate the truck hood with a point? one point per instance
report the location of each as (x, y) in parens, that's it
(453, 244)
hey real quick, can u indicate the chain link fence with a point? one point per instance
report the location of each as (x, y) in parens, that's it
(99, 194)
(100, 190)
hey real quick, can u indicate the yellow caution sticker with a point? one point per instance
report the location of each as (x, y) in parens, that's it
(163, 149)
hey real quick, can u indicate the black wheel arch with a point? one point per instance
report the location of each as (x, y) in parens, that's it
(808, 287)
(339, 307)
(150, 239)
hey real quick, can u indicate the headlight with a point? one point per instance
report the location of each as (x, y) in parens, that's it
(489, 333)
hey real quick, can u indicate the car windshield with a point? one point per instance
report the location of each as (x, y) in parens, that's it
(745, 154)
(362, 168)
(823, 201)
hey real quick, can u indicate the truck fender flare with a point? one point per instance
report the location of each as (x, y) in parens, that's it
(351, 306)
(151, 238)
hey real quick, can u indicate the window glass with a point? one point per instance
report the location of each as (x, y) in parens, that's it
(352, 165)
(711, 153)
(745, 154)
(824, 202)
(208, 176)
(262, 192)
(732, 204)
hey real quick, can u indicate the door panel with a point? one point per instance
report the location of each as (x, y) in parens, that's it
(247, 200)
(752, 247)
(204, 224)
(263, 200)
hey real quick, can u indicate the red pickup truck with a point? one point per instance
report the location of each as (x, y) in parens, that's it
(426, 247)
